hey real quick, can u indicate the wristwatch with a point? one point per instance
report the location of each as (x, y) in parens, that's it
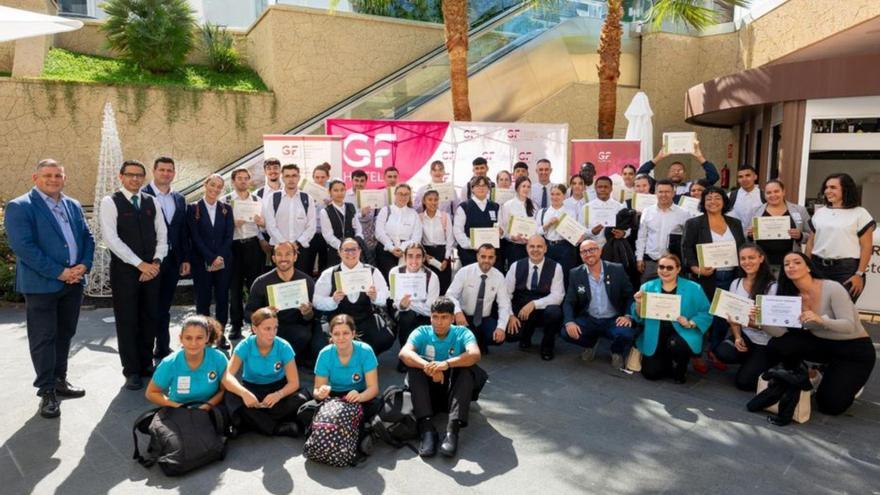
(860, 273)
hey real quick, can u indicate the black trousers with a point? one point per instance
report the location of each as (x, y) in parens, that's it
(385, 261)
(304, 255)
(515, 252)
(169, 275)
(565, 254)
(379, 337)
(752, 363)
(849, 365)
(135, 307)
(671, 357)
(248, 263)
(454, 395)
(407, 321)
(550, 321)
(840, 271)
(212, 286)
(51, 324)
(264, 420)
(444, 278)
(306, 338)
(317, 252)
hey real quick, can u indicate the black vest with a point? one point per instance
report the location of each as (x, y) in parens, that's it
(476, 218)
(135, 227)
(361, 309)
(342, 228)
(522, 293)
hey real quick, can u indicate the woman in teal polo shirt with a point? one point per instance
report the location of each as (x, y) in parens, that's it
(269, 384)
(667, 346)
(193, 373)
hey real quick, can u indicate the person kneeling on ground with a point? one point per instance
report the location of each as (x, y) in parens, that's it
(431, 352)
(269, 380)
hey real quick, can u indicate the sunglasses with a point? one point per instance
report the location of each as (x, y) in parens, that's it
(666, 267)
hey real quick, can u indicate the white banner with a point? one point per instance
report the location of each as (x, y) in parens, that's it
(306, 151)
(869, 301)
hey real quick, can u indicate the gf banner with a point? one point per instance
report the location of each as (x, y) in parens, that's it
(608, 155)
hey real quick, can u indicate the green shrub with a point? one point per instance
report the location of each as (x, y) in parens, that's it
(219, 48)
(7, 263)
(156, 35)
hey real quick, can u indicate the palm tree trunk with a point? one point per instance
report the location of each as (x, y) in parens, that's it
(609, 68)
(455, 24)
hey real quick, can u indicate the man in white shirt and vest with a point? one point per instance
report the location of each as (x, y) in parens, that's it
(291, 216)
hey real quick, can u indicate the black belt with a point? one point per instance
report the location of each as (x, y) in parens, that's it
(553, 243)
(245, 241)
(648, 258)
(833, 262)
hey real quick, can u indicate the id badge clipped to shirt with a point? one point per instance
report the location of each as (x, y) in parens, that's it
(183, 385)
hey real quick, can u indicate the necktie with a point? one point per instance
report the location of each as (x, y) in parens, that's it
(135, 200)
(534, 277)
(543, 196)
(481, 295)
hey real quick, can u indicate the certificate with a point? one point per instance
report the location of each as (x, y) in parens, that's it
(665, 307)
(717, 255)
(502, 196)
(246, 210)
(288, 295)
(689, 204)
(317, 192)
(374, 198)
(771, 228)
(780, 311)
(620, 194)
(524, 226)
(485, 235)
(354, 281)
(726, 303)
(679, 142)
(412, 284)
(642, 201)
(445, 190)
(600, 215)
(570, 229)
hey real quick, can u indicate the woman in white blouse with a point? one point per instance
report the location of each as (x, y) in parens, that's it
(397, 226)
(521, 206)
(558, 249)
(437, 239)
(578, 198)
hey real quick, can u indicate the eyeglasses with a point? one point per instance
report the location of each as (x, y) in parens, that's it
(589, 250)
(350, 250)
(134, 176)
(666, 267)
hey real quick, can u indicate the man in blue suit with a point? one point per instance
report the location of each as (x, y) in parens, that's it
(176, 263)
(54, 249)
(596, 304)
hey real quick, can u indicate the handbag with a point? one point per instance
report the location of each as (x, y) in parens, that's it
(802, 409)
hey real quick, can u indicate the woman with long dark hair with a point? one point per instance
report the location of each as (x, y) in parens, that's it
(520, 206)
(777, 206)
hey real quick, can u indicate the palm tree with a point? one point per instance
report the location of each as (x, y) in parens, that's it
(455, 27)
(691, 13)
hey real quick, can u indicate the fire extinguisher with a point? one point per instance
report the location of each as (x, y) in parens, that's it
(725, 177)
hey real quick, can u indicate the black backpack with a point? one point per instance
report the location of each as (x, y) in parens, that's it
(181, 438)
(396, 422)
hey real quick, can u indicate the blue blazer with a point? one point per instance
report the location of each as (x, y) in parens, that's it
(210, 241)
(178, 238)
(578, 296)
(39, 246)
(694, 306)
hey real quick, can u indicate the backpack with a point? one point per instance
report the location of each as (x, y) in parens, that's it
(276, 200)
(396, 422)
(334, 433)
(181, 438)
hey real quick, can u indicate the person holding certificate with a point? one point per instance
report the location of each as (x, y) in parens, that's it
(518, 211)
(796, 233)
(268, 395)
(338, 221)
(366, 215)
(437, 239)
(666, 346)
(659, 231)
(211, 228)
(832, 334)
(602, 213)
(291, 216)
(577, 194)
(397, 226)
(296, 323)
(558, 248)
(476, 212)
(414, 290)
(748, 348)
(357, 289)
(438, 181)
(713, 226)
(676, 172)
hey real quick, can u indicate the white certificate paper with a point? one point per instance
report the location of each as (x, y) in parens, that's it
(374, 198)
(726, 303)
(354, 281)
(502, 196)
(412, 284)
(485, 235)
(689, 204)
(600, 215)
(779, 311)
(445, 190)
(246, 210)
(642, 201)
(317, 192)
(717, 255)
(665, 307)
(288, 295)
(679, 142)
(771, 228)
(570, 229)
(524, 226)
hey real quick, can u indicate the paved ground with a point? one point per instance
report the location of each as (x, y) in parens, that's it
(559, 427)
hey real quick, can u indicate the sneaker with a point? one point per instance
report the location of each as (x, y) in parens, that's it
(589, 354)
(616, 361)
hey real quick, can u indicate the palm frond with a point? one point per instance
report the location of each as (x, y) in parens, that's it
(692, 13)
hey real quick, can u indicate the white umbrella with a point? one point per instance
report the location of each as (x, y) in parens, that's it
(639, 114)
(16, 24)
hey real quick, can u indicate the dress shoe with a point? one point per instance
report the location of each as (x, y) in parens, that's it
(287, 430)
(49, 405)
(450, 444)
(547, 354)
(589, 354)
(428, 445)
(65, 389)
(134, 382)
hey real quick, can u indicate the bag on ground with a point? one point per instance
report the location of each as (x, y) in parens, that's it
(334, 433)
(181, 438)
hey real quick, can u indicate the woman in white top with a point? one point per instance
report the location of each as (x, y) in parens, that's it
(844, 231)
(521, 206)
(748, 345)
(558, 249)
(397, 226)
(777, 206)
(437, 239)
(339, 220)
(577, 195)
(438, 178)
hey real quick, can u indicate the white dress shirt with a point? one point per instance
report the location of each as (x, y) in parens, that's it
(514, 208)
(557, 288)
(247, 229)
(212, 210)
(165, 200)
(421, 306)
(437, 231)
(323, 287)
(655, 227)
(465, 285)
(464, 238)
(111, 237)
(746, 205)
(577, 205)
(398, 227)
(544, 216)
(538, 193)
(292, 223)
(327, 227)
(600, 237)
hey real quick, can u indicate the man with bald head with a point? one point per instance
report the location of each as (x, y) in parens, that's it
(596, 305)
(536, 289)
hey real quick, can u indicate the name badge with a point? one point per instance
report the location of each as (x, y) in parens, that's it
(492, 215)
(430, 352)
(183, 384)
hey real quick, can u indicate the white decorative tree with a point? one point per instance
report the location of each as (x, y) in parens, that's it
(108, 160)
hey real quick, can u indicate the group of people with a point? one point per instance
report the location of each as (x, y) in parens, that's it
(475, 295)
